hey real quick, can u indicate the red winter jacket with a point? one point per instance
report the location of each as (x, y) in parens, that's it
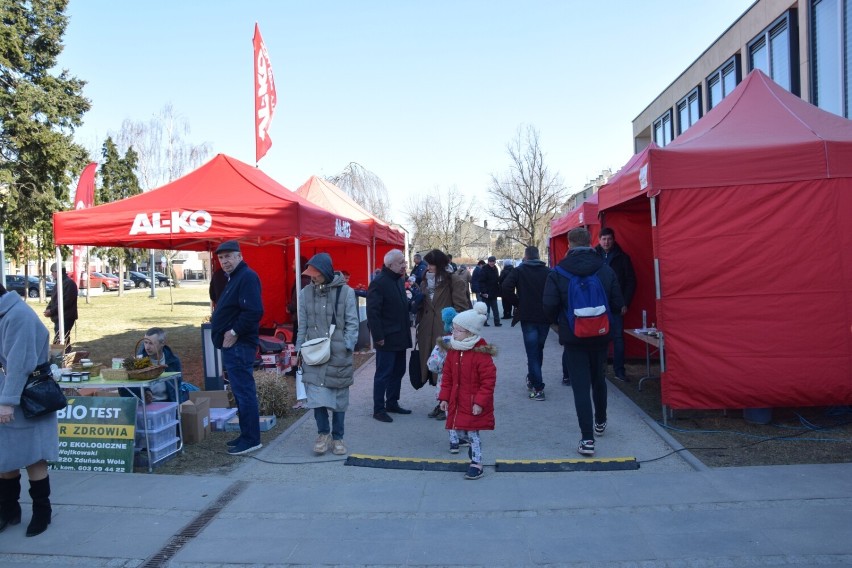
(469, 378)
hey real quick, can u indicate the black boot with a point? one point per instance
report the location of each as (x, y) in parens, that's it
(40, 493)
(10, 509)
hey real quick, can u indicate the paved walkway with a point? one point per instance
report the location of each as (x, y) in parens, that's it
(286, 507)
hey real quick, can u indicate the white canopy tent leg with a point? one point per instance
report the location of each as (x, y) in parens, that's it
(659, 295)
(60, 300)
(298, 283)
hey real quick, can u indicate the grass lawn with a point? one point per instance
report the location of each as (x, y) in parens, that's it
(110, 326)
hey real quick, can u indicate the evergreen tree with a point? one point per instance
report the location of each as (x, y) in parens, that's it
(39, 110)
(118, 181)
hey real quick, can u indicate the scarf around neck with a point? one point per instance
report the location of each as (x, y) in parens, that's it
(464, 344)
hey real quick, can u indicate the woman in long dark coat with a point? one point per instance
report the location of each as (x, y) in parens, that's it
(441, 289)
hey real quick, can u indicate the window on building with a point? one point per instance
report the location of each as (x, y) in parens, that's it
(688, 110)
(663, 132)
(775, 52)
(831, 59)
(722, 81)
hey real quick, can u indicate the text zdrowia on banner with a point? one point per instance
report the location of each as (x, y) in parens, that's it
(84, 198)
(264, 96)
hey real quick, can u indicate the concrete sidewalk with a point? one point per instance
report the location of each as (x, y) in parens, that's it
(284, 506)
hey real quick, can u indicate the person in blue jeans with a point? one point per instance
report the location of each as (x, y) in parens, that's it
(527, 283)
(234, 326)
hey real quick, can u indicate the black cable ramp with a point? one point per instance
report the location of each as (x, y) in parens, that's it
(506, 466)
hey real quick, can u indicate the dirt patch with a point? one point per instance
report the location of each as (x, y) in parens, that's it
(210, 456)
(721, 438)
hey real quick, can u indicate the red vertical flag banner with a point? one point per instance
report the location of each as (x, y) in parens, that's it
(84, 198)
(264, 96)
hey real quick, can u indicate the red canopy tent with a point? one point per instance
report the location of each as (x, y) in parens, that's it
(584, 215)
(222, 200)
(747, 232)
(329, 197)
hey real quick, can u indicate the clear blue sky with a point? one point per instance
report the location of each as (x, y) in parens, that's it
(425, 94)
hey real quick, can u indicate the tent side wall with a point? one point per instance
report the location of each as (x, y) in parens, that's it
(756, 305)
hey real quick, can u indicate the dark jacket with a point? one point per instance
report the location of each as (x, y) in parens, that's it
(489, 281)
(240, 307)
(474, 279)
(527, 281)
(581, 261)
(69, 302)
(387, 311)
(620, 263)
(419, 270)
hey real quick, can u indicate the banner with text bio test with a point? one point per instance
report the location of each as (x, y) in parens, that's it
(97, 434)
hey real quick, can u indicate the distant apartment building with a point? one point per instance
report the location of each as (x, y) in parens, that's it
(804, 46)
(591, 188)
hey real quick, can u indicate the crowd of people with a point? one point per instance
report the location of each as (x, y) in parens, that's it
(435, 297)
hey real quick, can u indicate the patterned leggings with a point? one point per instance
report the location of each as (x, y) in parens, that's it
(472, 436)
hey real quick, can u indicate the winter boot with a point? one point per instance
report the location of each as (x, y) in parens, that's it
(10, 509)
(40, 493)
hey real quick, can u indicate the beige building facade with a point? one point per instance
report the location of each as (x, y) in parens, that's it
(803, 45)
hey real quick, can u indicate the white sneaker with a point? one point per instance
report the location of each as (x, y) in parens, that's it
(322, 444)
(338, 448)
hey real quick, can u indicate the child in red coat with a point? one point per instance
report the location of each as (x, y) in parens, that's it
(467, 385)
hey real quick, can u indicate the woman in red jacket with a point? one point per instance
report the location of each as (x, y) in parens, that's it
(467, 386)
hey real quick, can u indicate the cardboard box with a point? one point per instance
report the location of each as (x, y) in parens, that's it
(218, 398)
(195, 420)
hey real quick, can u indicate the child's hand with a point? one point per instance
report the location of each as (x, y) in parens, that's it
(444, 406)
(477, 410)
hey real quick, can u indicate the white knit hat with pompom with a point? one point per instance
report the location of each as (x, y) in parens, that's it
(472, 320)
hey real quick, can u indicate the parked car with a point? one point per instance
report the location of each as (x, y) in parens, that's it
(16, 282)
(100, 280)
(163, 280)
(143, 279)
(139, 279)
(128, 284)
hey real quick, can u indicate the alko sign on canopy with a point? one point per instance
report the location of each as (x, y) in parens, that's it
(177, 222)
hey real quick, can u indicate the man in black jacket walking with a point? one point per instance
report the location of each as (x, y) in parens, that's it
(620, 263)
(387, 312)
(489, 288)
(527, 281)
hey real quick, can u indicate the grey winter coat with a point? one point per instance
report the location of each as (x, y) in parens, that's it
(315, 314)
(24, 344)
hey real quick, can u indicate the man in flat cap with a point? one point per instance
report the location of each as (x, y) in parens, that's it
(66, 287)
(235, 325)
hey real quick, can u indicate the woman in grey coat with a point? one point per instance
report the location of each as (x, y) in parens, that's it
(24, 442)
(325, 300)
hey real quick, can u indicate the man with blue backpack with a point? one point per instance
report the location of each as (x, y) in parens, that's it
(580, 295)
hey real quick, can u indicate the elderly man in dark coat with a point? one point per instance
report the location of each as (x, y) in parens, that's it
(388, 314)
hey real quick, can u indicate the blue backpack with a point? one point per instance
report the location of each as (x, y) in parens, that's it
(588, 308)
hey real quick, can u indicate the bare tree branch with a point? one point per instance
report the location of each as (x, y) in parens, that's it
(440, 220)
(527, 196)
(366, 188)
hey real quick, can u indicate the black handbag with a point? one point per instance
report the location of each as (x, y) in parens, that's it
(41, 394)
(414, 374)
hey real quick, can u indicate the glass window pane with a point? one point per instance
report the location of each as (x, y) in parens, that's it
(729, 79)
(779, 50)
(759, 57)
(827, 54)
(683, 117)
(715, 91)
(667, 128)
(694, 111)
